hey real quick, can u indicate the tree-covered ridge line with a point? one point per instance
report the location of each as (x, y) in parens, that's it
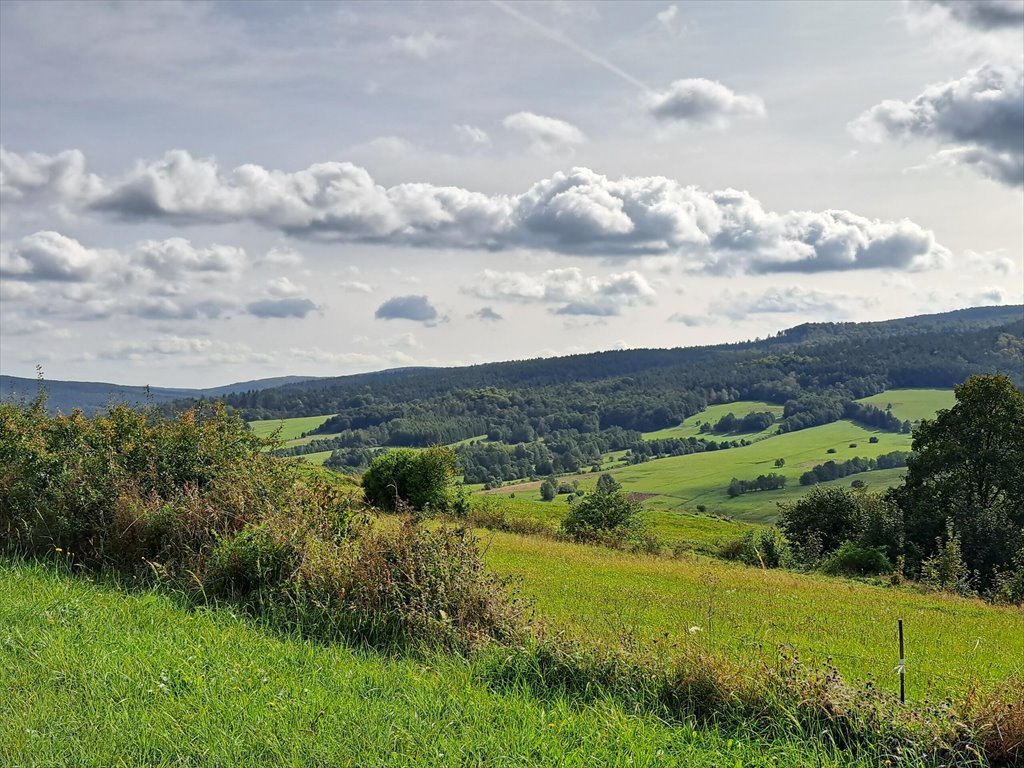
(815, 383)
(533, 431)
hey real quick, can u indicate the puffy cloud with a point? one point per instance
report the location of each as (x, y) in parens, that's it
(15, 290)
(700, 102)
(487, 314)
(579, 295)
(985, 14)
(472, 135)
(545, 134)
(283, 287)
(416, 308)
(981, 115)
(281, 257)
(163, 308)
(176, 256)
(50, 255)
(789, 300)
(281, 308)
(997, 261)
(284, 299)
(355, 286)
(580, 212)
(669, 19)
(689, 320)
(422, 45)
(38, 177)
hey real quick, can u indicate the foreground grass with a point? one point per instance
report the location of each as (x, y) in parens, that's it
(93, 676)
(743, 613)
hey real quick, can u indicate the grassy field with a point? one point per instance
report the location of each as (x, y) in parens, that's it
(913, 404)
(742, 612)
(93, 676)
(710, 415)
(682, 482)
(290, 428)
(701, 533)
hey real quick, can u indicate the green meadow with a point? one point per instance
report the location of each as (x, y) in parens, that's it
(691, 426)
(290, 429)
(913, 404)
(95, 676)
(745, 613)
(683, 482)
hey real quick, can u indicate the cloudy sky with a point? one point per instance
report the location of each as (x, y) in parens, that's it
(194, 194)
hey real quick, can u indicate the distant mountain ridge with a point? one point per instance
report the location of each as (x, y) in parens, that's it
(93, 396)
(284, 395)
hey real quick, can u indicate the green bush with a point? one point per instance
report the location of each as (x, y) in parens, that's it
(423, 480)
(765, 549)
(601, 513)
(854, 560)
(193, 502)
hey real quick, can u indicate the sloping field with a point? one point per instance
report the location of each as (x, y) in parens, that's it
(710, 415)
(912, 404)
(93, 676)
(683, 482)
(742, 612)
(290, 428)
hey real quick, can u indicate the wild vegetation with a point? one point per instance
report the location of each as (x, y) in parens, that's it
(650, 634)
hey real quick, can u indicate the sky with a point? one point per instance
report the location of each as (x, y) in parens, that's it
(193, 194)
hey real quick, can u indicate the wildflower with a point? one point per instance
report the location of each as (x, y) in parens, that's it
(58, 549)
(694, 630)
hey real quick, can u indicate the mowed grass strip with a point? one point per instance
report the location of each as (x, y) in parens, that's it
(742, 612)
(92, 676)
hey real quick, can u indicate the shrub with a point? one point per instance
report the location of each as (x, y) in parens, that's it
(548, 490)
(599, 514)
(873, 439)
(831, 450)
(854, 560)
(124, 488)
(192, 501)
(424, 480)
(766, 549)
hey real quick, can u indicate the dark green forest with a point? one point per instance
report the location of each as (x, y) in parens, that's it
(559, 414)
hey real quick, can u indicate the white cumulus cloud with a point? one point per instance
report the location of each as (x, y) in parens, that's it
(545, 134)
(701, 102)
(978, 117)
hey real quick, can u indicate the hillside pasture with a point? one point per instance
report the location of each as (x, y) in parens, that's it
(743, 613)
(683, 482)
(912, 404)
(710, 415)
(290, 428)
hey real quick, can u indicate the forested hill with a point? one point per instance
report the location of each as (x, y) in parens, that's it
(653, 388)
(93, 396)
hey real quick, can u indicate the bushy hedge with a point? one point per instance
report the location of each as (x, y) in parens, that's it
(192, 501)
